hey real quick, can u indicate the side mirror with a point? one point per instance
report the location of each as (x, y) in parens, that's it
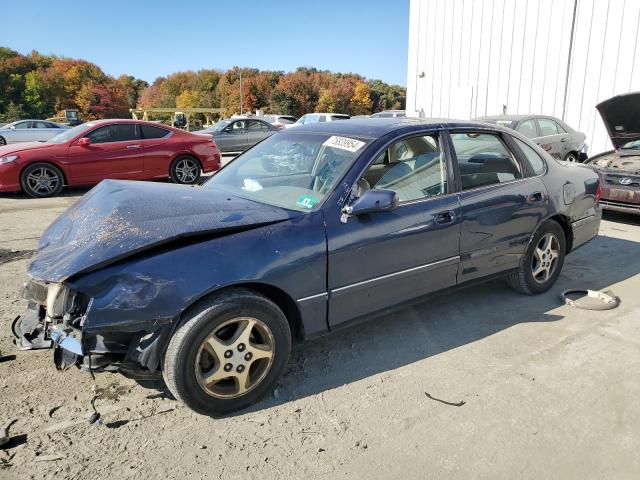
(12, 127)
(84, 142)
(371, 201)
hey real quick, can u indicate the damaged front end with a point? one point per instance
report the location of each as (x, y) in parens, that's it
(54, 318)
(57, 316)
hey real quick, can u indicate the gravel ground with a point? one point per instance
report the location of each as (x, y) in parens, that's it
(481, 383)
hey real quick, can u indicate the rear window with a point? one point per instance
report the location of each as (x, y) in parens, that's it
(149, 131)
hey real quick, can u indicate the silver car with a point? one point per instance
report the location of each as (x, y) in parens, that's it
(29, 131)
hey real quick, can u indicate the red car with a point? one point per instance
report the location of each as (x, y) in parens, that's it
(116, 149)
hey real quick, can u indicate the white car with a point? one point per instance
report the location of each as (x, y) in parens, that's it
(29, 131)
(319, 117)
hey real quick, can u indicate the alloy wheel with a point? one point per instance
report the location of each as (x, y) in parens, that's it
(545, 258)
(187, 170)
(43, 181)
(571, 158)
(235, 357)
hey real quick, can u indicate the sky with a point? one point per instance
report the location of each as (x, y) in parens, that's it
(148, 39)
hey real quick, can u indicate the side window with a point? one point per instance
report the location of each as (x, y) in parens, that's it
(113, 133)
(560, 128)
(321, 118)
(528, 129)
(421, 172)
(537, 164)
(239, 125)
(22, 125)
(257, 126)
(149, 131)
(40, 125)
(483, 160)
(547, 127)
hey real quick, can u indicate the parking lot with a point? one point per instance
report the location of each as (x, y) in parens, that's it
(480, 383)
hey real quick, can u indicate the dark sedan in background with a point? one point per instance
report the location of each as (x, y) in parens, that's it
(235, 135)
(311, 230)
(619, 169)
(552, 134)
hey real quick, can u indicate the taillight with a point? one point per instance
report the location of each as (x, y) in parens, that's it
(279, 126)
(598, 192)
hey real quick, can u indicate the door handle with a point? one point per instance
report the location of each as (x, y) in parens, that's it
(563, 139)
(444, 218)
(535, 197)
(133, 146)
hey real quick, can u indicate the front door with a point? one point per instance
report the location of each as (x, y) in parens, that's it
(114, 152)
(501, 203)
(381, 259)
(233, 138)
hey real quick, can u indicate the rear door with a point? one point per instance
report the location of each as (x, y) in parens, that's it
(115, 152)
(501, 202)
(156, 147)
(552, 139)
(257, 131)
(386, 258)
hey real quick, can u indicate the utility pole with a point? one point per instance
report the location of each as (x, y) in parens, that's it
(240, 91)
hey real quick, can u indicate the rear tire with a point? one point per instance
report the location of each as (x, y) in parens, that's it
(185, 170)
(542, 262)
(2, 141)
(228, 354)
(41, 180)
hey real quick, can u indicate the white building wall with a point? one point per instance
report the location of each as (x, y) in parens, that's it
(469, 58)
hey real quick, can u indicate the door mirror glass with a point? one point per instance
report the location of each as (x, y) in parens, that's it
(373, 201)
(84, 142)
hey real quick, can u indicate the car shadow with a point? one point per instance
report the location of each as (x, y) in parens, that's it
(619, 217)
(442, 323)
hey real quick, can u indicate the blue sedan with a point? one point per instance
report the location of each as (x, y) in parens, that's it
(312, 229)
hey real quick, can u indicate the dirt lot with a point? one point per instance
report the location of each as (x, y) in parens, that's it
(548, 391)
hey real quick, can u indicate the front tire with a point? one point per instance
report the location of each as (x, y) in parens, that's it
(185, 170)
(41, 180)
(541, 265)
(228, 354)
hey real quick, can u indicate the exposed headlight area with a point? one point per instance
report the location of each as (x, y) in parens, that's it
(8, 159)
(64, 306)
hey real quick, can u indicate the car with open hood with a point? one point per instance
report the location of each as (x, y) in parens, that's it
(106, 149)
(619, 169)
(311, 230)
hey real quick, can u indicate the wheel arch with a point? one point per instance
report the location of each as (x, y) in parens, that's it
(278, 296)
(65, 180)
(186, 154)
(565, 223)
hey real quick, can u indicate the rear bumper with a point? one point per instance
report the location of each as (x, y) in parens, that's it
(586, 228)
(624, 207)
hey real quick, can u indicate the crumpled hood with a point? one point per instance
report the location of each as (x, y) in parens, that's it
(21, 146)
(118, 219)
(621, 116)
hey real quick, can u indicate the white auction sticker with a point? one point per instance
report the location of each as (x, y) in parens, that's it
(344, 143)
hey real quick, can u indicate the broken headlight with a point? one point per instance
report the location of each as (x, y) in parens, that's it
(64, 305)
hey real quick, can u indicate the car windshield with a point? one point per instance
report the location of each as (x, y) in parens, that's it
(69, 134)
(289, 170)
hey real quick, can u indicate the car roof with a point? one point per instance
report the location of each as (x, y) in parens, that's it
(513, 118)
(377, 127)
